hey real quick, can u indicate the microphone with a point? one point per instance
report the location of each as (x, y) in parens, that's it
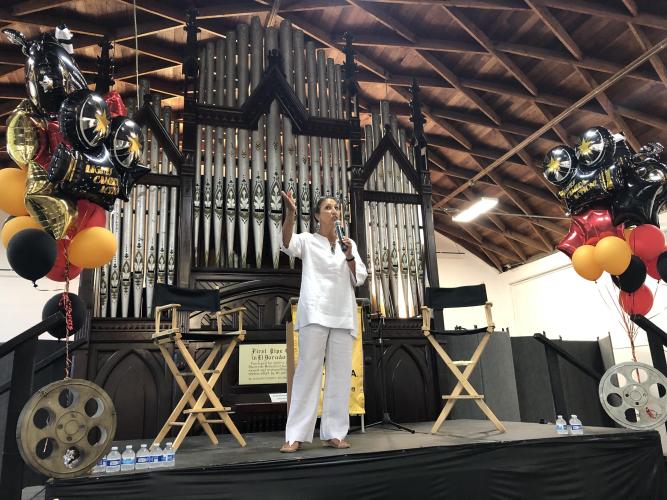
(340, 234)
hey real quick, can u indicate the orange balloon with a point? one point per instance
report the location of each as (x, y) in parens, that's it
(613, 254)
(15, 225)
(584, 263)
(12, 191)
(92, 247)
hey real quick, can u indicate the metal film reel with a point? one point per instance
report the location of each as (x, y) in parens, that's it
(66, 427)
(634, 395)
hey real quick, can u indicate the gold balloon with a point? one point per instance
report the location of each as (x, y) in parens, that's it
(22, 134)
(53, 213)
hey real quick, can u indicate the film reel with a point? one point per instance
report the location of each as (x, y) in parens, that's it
(66, 427)
(634, 395)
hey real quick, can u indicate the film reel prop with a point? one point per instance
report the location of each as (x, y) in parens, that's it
(634, 395)
(66, 427)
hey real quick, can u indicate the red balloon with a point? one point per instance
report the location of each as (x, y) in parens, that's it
(647, 241)
(57, 272)
(639, 302)
(88, 215)
(652, 268)
(115, 103)
(588, 228)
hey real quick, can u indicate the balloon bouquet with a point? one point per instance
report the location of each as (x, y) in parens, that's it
(613, 197)
(76, 153)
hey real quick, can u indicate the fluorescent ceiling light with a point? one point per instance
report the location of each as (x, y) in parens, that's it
(476, 209)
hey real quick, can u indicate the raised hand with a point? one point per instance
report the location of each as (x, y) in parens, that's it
(290, 203)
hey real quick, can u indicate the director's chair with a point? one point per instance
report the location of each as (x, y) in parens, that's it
(464, 296)
(171, 298)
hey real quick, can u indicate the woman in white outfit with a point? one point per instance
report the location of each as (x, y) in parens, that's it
(326, 321)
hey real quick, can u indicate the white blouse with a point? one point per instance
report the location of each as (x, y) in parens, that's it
(327, 284)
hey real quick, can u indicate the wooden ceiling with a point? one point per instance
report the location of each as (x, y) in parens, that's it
(492, 73)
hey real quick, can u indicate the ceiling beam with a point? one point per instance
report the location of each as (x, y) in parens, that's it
(608, 11)
(644, 45)
(556, 28)
(30, 6)
(478, 34)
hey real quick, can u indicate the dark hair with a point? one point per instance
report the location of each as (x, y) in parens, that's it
(322, 199)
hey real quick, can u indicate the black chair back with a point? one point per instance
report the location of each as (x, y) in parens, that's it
(190, 299)
(462, 296)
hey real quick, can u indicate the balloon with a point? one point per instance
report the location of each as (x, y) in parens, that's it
(652, 269)
(89, 215)
(633, 277)
(55, 304)
(559, 165)
(50, 71)
(57, 272)
(613, 254)
(23, 142)
(647, 241)
(12, 191)
(31, 253)
(588, 228)
(644, 192)
(627, 232)
(92, 175)
(16, 224)
(92, 247)
(84, 119)
(584, 263)
(126, 142)
(662, 265)
(639, 302)
(54, 213)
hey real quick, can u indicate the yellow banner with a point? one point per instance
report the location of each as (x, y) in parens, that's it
(357, 399)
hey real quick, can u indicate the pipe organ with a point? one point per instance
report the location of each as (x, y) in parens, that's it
(239, 173)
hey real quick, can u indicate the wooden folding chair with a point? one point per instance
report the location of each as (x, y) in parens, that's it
(464, 296)
(170, 298)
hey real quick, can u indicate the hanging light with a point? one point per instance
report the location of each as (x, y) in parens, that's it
(476, 209)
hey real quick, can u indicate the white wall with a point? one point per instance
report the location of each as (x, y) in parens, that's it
(547, 295)
(20, 303)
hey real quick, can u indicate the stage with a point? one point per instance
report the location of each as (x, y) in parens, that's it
(467, 459)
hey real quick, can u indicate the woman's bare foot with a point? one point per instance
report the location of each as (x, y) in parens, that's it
(337, 443)
(289, 448)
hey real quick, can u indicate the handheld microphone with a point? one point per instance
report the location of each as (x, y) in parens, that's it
(340, 234)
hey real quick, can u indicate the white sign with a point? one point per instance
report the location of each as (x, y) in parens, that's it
(262, 364)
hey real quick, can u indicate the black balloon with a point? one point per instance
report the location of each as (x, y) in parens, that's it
(32, 253)
(633, 277)
(595, 147)
(645, 193)
(50, 71)
(126, 142)
(661, 265)
(92, 175)
(559, 165)
(84, 119)
(55, 304)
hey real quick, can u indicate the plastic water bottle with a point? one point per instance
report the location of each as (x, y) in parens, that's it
(155, 454)
(576, 427)
(143, 458)
(561, 425)
(169, 456)
(128, 459)
(101, 466)
(113, 461)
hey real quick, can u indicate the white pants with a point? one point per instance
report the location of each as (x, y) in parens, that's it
(317, 343)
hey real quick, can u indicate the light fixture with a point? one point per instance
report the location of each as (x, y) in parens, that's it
(483, 205)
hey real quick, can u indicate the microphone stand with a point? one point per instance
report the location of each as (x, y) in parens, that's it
(386, 418)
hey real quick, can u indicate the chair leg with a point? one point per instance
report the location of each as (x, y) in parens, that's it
(187, 398)
(209, 394)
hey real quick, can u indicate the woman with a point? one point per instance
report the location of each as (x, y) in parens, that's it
(326, 320)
